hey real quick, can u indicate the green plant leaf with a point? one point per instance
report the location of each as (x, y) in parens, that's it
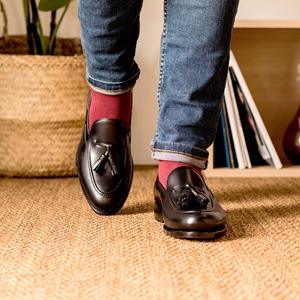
(51, 5)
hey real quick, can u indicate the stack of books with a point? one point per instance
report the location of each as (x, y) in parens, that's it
(242, 140)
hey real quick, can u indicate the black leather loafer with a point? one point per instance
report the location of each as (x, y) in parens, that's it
(104, 164)
(187, 207)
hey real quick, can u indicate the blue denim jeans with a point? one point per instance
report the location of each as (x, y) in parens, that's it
(194, 56)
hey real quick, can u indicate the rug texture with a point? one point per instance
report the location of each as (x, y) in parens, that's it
(52, 246)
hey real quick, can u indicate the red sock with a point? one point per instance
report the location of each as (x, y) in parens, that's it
(165, 167)
(110, 106)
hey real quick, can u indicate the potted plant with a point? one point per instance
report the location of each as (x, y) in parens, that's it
(42, 92)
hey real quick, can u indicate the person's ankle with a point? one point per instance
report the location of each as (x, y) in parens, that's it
(165, 167)
(110, 106)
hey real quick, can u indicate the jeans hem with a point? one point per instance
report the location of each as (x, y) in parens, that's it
(112, 88)
(179, 152)
(111, 92)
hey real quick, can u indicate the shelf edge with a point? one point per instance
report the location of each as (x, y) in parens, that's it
(256, 23)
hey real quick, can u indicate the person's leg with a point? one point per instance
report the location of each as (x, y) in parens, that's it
(195, 46)
(109, 33)
(194, 60)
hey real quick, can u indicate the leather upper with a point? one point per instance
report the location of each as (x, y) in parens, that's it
(105, 165)
(187, 203)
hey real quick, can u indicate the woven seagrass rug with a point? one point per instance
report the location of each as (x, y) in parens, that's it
(52, 246)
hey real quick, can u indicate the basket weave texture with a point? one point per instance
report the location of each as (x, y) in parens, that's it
(42, 106)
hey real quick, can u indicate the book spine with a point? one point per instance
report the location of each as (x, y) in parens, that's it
(233, 126)
(239, 125)
(256, 115)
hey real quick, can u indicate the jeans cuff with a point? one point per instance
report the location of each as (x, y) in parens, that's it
(111, 92)
(112, 88)
(179, 152)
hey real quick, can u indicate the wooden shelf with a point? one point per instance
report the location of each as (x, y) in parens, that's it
(259, 171)
(267, 24)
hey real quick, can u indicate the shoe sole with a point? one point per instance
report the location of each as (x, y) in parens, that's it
(96, 209)
(208, 234)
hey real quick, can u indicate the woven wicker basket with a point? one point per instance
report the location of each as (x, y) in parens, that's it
(42, 106)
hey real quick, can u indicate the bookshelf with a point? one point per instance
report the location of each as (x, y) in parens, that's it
(248, 23)
(268, 53)
(259, 171)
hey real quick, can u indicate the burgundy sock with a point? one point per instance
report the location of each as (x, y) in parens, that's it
(165, 167)
(110, 106)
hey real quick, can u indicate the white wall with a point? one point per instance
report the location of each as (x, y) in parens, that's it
(248, 9)
(269, 9)
(70, 26)
(147, 56)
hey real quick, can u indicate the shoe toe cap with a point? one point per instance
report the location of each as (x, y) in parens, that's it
(194, 221)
